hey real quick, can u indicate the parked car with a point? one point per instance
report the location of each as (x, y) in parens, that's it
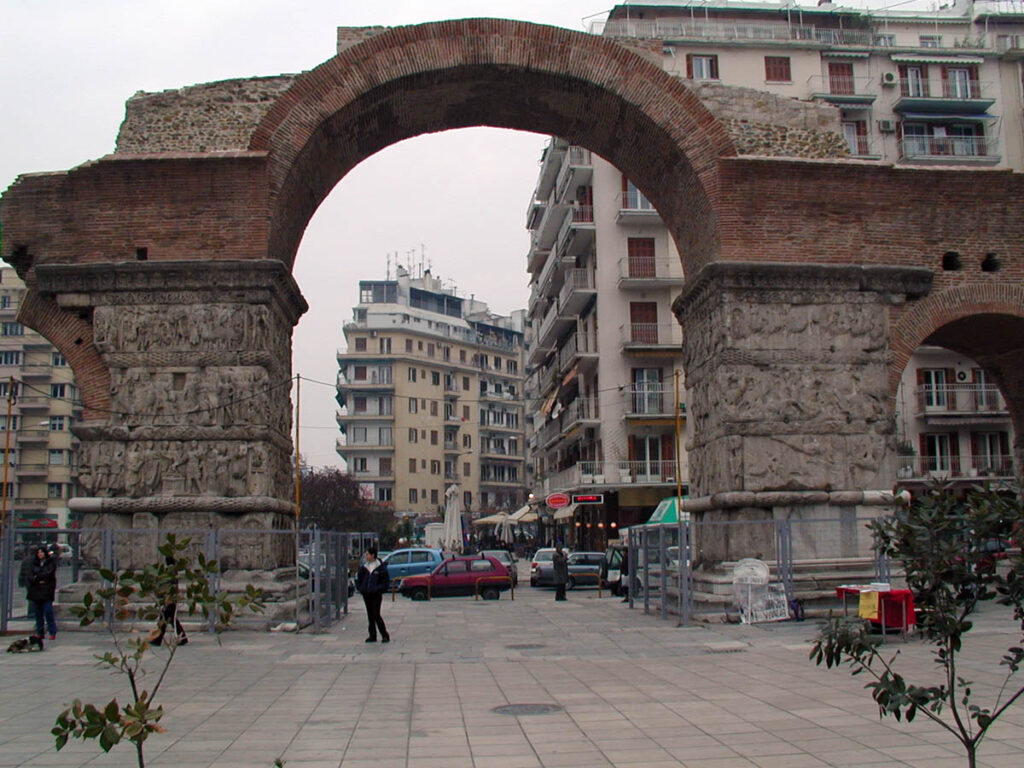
(507, 560)
(460, 576)
(614, 568)
(542, 572)
(411, 561)
(585, 569)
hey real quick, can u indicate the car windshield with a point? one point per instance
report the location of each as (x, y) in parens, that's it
(543, 556)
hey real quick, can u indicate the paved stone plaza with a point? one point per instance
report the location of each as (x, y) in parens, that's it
(635, 692)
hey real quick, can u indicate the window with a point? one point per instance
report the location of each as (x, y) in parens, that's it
(14, 421)
(5, 386)
(358, 434)
(435, 467)
(55, 490)
(914, 80)
(412, 466)
(465, 413)
(408, 345)
(640, 257)
(59, 361)
(632, 198)
(467, 499)
(433, 496)
(885, 41)
(384, 436)
(359, 373)
(433, 407)
(930, 41)
(12, 329)
(385, 345)
(856, 134)
(840, 78)
(467, 441)
(412, 375)
(481, 565)
(957, 82)
(648, 397)
(359, 404)
(413, 435)
(359, 464)
(467, 469)
(990, 452)
(643, 321)
(435, 378)
(58, 423)
(433, 437)
(933, 386)
(465, 383)
(512, 367)
(360, 343)
(414, 405)
(776, 69)
(5, 301)
(413, 496)
(701, 67)
(940, 451)
(384, 405)
(10, 358)
(430, 350)
(384, 467)
(56, 457)
(383, 493)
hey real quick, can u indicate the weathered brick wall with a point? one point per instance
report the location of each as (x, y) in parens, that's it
(212, 117)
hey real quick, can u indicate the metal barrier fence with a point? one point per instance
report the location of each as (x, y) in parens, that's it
(312, 589)
(677, 568)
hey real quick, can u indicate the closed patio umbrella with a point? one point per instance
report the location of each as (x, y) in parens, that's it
(452, 536)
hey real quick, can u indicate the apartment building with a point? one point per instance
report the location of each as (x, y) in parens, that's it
(911, 87)
(39, 403)
(431, 388)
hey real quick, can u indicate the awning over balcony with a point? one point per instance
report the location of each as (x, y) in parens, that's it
(926, 117)
(954, 421)
(565, 513)
(926, 59)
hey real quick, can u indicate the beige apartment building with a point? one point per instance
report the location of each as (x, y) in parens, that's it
(603, 347)
(431, 389)
(37, 385)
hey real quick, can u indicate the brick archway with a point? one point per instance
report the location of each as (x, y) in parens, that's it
(983, 321)
(506, 74)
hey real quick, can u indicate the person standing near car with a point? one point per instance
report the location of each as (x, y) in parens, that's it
(42, 587)
(559, 572)
(372, 582)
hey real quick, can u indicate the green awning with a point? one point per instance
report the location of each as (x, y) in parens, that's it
(667, 511)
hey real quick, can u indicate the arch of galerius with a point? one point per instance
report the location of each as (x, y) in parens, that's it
(162, 271)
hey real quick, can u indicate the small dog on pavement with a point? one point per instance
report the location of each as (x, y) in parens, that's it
(26, 644)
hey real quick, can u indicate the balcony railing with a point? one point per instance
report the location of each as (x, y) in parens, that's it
(634, 200)
(650, 400)
(648, 268)
(946, 147)
(677, 29)
(652, 335)
(576, 281)
(960, 398)
(843, 87)
(954, 467)
(947, 88)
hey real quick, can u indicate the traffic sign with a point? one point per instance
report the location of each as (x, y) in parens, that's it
(588, 498)
(557, 500)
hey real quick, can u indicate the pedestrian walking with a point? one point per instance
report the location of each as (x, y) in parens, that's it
(372, 582)
(42, 587)
(560, 572)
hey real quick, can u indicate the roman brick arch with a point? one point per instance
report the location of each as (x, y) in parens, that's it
(984, 321)
(507, 74)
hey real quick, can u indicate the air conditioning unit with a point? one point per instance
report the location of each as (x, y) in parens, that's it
(887, 126)
(890, 78)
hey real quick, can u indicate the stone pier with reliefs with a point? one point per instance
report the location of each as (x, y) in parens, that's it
(198, 431)
(787, 369)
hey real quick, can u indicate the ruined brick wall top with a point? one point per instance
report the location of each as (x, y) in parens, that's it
(213, 117)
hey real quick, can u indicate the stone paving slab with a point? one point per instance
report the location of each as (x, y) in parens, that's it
(633, 691)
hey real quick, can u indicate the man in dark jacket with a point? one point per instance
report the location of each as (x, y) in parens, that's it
(560, 572)
(42, 586)
(372, 582)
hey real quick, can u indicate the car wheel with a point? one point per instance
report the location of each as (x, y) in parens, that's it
(490, 593)
(572, 583)
(418, 593)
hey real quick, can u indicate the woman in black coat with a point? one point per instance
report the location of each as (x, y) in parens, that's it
(372, 582)
(42, 586)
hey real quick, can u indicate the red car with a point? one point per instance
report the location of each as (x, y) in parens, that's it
(476, 574)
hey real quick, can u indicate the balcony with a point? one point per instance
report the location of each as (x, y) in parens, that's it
(844, 90)
(577, 291)
(948, 468)
(554, 326)
(577, 171)
(640, 337)
(34, 403)
(947, 97)
(32, 470)
(652, 401)
(949, 149)
(36, 372)
(372, 380)
(351, 447)
(581, 411)
(634, 208)
(576, 234)
(668, 30)
(642, 272)
(344, 419)
(29, 436)
(579, 348)
(960, 400)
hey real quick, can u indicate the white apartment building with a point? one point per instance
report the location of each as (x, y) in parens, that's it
(911, 87)
(37, 385)
(431, 388)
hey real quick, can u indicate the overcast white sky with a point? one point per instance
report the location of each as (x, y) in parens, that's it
(68, 66)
